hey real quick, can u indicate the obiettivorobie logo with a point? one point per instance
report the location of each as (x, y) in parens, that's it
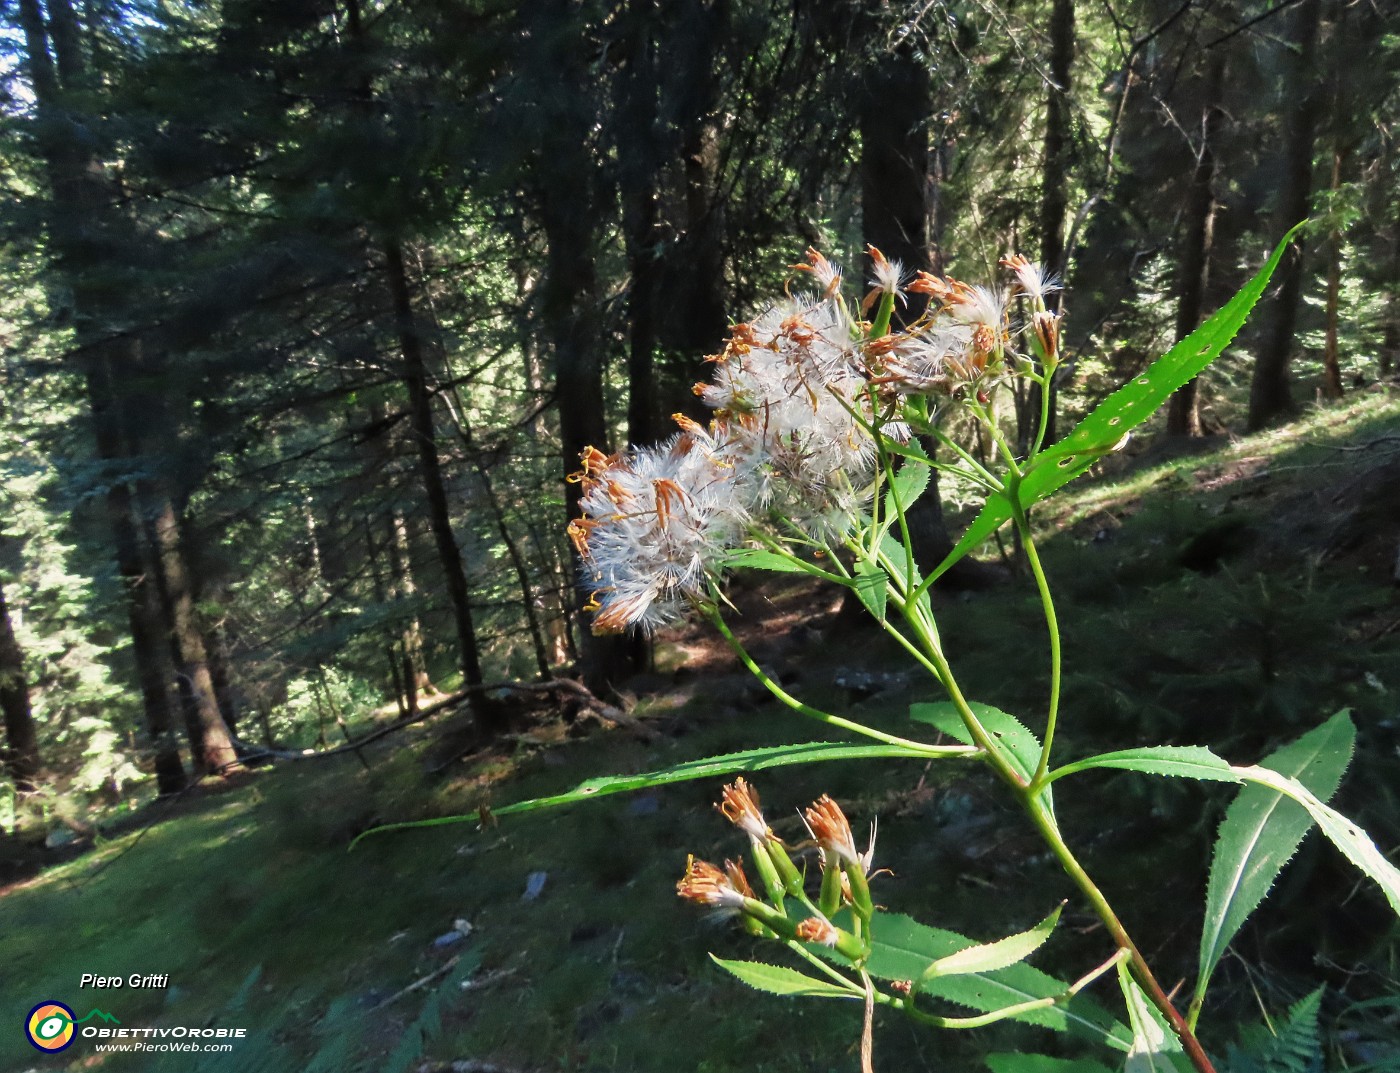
(52, 1026)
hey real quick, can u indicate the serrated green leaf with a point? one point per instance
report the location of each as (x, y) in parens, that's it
(761, 559)
(1121, 412)
(780, 980)
(908, 485)
(1040, 1063)
(1183, 761)
(1355, 843)
(1155, 1047)
(1018, 745)
(902, 948)
(988, 957)
(1137, 400)
(749, 760)
(870, 586)
(1260, 833)
(897, 562)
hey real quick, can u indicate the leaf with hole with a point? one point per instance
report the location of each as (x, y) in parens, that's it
(1120, 413)
(1010, 736)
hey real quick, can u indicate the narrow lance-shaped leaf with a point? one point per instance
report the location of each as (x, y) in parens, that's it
(1260, 833)
(780, 980)
(988, 957)
(762, 559)
(1120, 413)
(1345, 835)
(1183, 761)
(749, 760)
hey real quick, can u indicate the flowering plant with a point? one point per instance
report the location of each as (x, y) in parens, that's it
(812, 464)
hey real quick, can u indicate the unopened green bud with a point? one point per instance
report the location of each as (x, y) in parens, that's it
(768, 872)
(830, 898)
(787, 871)
(860, 891)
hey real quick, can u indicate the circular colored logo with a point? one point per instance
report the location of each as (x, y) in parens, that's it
(49, 1026)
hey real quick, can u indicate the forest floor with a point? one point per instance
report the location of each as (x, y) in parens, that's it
(1234, 597)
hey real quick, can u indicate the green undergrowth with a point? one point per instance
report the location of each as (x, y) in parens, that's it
(1233, 598)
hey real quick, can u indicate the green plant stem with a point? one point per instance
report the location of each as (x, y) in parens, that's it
(944, 673)
(1137, 964)
(1052, 624)
(1045, 400)
(1019, 1008)
(1030, 797)
(797, 948)
(994, 430)
(916, 748)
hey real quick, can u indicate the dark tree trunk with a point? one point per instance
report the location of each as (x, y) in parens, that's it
(1341, 150)
(21, 753)
(1193, 272)
(211, 744)
(895, 105)
(638, 168)
(1270, 396)
(82, 229)
(421, 422)
(570, 209)
(701, 317)
(1331, 358)
(1054, 178)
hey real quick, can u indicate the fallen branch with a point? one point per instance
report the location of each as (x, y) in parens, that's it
(437, 974)
(554, 685)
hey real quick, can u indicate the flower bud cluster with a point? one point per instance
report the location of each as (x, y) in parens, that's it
(800, 394)
(844, 878)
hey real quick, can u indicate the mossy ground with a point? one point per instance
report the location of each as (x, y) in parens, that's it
(1233, 598)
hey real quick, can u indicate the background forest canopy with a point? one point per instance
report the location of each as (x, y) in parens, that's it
(311, 305)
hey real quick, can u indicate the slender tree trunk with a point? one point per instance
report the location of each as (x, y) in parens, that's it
(570, 209)
(21, 753)
(405, 588)
(895, 105)
(1054, 178)
(80, 230)
(1331, 358)
(696, 323)
(638, 166)
(421, 422)
(1270, 396)
(1331, 361)
(1193, 272)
